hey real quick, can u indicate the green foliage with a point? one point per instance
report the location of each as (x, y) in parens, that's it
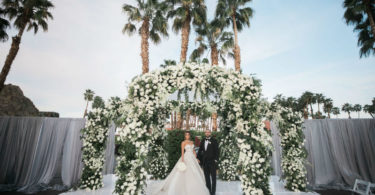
(347, 108)
(151, 12)
(98, 102)
(357, 14)
(211, 35)
(225, 9)
(30, 14)
(88, 95)
(370, 108)
(4, 25)
(335, 111)
(186, 11)
(168, 63)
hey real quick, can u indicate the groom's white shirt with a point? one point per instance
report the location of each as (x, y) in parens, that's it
(205, 145)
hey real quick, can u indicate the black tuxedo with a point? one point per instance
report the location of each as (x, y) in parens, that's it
(209, 161)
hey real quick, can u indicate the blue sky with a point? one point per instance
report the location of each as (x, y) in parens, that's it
(292, 46)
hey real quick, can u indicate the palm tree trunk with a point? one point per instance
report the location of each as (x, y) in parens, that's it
(214, 55)
(370, 16)
(214, 121)
(236, 50)
(185, 38)
(16, 41)
(188, 119)
(318, 107)
(144, 45)
(329, 113)
(349, 115)
(179, 120)
(305, 114)
(87, 105)
(175, 120)
(312, 112)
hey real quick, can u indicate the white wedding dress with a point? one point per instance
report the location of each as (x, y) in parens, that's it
(188, 182)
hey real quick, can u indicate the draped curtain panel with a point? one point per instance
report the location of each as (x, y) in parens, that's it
(39, 153)
(339, 151)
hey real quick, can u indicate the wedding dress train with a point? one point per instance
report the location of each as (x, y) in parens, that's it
(188, 182)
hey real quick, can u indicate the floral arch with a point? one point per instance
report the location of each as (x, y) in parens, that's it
(146, 109)
(244, 152)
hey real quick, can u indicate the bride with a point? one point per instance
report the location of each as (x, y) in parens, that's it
(186, 178)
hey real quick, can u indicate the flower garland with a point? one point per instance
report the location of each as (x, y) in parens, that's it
(292, 142)
(158, 158)
(146, 105)
(94, 137)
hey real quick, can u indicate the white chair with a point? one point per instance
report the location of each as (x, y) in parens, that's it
(363, 187)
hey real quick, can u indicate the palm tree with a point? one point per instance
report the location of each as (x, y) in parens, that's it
(212, 37)
(303, 102)
(27, 14)
(4, 24)
(361, 13)
(237, 14)
(347, 108)
(168, 63)
(310, 100)
(357, 108)
(151, 14)
(336, 111)
(327, 106)
(319, 99)
(185, 12)
(370, 108)
(88, 95)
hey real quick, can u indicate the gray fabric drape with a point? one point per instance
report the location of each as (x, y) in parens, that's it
(276, 153)
(109, 164)
(43, 153)
(339, 151)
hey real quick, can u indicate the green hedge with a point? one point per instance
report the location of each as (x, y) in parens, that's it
(173, 144)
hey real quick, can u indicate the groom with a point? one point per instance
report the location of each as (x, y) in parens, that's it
(208, 156)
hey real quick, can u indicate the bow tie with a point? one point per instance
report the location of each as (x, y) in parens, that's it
(208, 139)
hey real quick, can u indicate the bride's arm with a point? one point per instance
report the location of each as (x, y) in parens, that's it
(182, 151)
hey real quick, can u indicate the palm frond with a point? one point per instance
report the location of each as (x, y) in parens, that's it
(129, 28)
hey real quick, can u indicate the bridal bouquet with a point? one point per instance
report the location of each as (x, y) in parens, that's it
(181, 166)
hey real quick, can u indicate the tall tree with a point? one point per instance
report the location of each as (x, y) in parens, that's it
(238, 14)
(4, 24)
(336, 111)
(212, 37)
(327, 106)
(151, 15)
(303, 102)
(88, 96)
(319, 99)
(310, 100)
(185, 13)
(98, 102)
(347, 108)
(370, 109)
(27, 14)
(357, 108)
(361, 13)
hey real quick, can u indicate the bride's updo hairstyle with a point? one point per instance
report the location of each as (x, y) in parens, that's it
(187, 133)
